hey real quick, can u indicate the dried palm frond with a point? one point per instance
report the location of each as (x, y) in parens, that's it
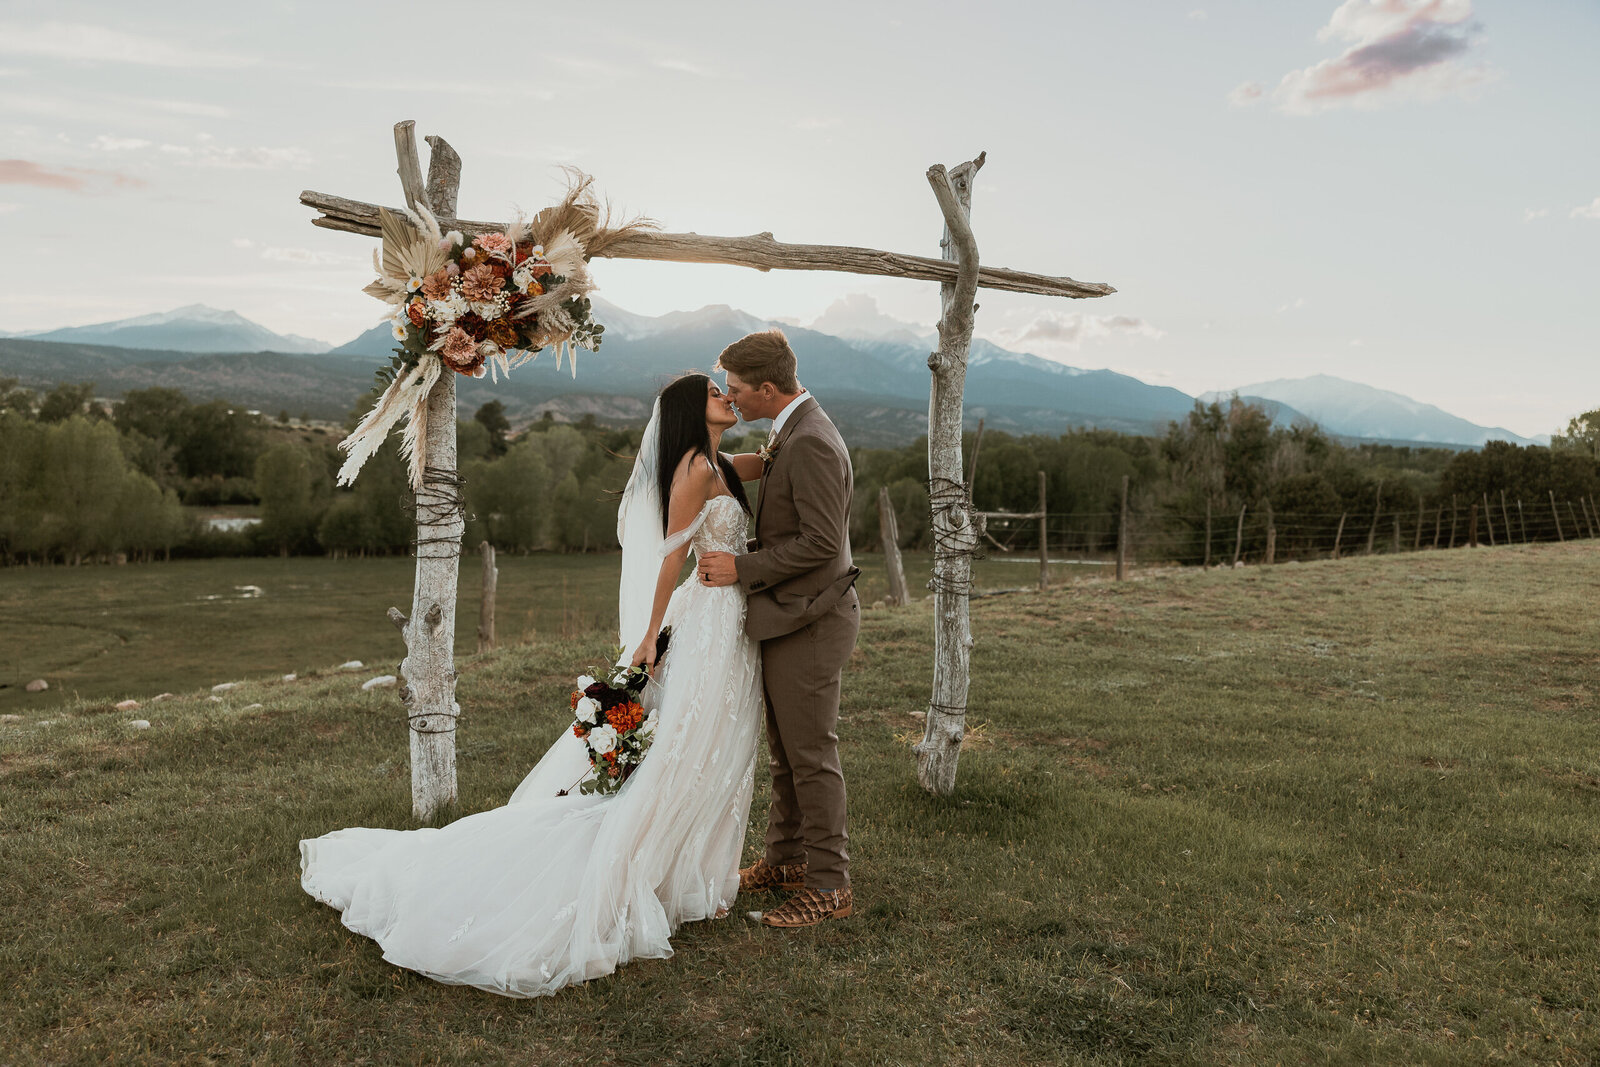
(585, 217)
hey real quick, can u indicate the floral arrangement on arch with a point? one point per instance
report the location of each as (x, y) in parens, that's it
(478, 306)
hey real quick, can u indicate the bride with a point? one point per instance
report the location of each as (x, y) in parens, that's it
(550, 890)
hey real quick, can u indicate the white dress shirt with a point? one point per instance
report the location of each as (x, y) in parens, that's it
(783, 416)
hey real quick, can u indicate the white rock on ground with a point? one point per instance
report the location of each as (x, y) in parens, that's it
(352, 665)
(382, 681)
(10, 718)
(214, 699)
(290, 677)
(160, 696)
(38, 685)
(252, 707)
(139, 724)
(47, 722)
(223, 687)
(128, 705)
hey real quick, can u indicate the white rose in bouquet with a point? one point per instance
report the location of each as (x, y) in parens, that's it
(603, 739)
(588, 710)
(584, 681)
(619, 678)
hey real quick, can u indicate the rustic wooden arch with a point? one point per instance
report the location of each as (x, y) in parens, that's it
(429, 632)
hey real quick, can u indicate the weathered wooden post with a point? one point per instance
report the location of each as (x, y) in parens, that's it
(1505, 514)
(1377, 509)
(1472, 525)
(955, 528)
(1395, 547)
(1272, 537)
(1438, 524)
(1577, 531)
(1452, 520)
(1522, 520)
(1555, 513)
(1122, 533)
(1338, 535)
(1044, 538)
(1238, 537)
(491, 582)
(889, 537)
(429, 665)
(1206, 565)
(1488, 519)
(1416, 541)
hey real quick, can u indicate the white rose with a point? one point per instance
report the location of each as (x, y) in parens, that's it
(603, 739)
(648, 727)
(619, 679)
(588, 710)
(584, 681)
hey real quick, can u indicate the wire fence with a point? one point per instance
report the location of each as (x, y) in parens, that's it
(1164, 537)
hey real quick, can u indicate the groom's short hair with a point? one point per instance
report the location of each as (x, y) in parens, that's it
(762, 357)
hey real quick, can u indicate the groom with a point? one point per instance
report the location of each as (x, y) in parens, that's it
(803, 609)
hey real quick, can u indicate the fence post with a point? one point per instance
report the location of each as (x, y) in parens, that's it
(1272, 537)
(1594, 518)
(889, 535)
(1122, 534)
(491, 582)
(1416, 542)
(1207, 564)
(1556, 514)
(1505, 514)
(1472, 525)
(1589, 522)
(1377, 509)
(1238, 537)
(1452, 520)
(1397, 532)
(1488, 519)
(1577, 531)
(1044, 538)
(1339, 534)
(1438, 524)
(1522, 520)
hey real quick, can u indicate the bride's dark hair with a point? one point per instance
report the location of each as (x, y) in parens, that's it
(683, 431)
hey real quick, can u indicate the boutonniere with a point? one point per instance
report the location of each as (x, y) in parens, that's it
(767, 452)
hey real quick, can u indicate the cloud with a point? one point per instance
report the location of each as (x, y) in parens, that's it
(1588, 211)
(70, 179)
(234, 158)
(1059, 329)
(8, 208)
(1247, 94)
(243, 242)
(107, 143)
(1396, 48)
(303, 255)
(1529, 214)
(683, 66)
(85, 43)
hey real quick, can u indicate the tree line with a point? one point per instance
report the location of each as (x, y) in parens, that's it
(82, 481)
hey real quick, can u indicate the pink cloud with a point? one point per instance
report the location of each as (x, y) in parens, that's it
(1420, 48)
(71, 179)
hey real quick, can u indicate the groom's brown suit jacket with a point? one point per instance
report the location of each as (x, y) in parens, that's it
(799, 567)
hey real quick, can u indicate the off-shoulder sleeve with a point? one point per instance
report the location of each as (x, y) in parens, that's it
(677, 540)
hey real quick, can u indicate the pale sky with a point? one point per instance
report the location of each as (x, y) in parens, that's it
(1400, 192)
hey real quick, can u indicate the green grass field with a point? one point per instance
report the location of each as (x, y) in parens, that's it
(111, 633)
(1339, 812)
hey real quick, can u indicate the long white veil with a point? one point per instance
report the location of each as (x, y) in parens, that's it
(639, 532)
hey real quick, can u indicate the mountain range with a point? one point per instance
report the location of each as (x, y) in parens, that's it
(869, 369)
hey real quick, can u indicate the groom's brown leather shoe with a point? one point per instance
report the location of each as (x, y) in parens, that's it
(808, 907)
(763, 877)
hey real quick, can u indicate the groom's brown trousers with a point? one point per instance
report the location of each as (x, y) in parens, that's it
(801, 672)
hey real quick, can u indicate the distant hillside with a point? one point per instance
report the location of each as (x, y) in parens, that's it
(196, 328)
(1351, 409)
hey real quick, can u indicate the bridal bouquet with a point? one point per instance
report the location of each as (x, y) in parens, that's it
(613, 724)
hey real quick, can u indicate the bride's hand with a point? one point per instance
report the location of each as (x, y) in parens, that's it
(645, 656)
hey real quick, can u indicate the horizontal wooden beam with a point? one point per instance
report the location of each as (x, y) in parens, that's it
(759, 251)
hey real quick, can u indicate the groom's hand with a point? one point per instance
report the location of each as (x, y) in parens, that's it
(717, 568)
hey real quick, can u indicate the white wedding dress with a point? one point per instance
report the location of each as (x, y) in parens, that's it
(550, 891)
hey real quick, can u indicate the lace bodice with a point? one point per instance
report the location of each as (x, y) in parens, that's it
(720, 527)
